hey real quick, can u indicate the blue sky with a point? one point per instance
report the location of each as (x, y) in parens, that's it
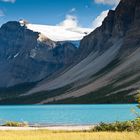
(54, 12)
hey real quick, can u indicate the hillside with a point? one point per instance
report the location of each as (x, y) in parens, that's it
(106, 67)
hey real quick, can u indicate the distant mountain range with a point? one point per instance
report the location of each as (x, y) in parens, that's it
(39, 66)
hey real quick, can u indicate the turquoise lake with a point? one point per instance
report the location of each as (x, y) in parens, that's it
(67, 114)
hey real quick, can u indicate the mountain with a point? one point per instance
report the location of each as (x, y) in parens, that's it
(27, 56)
(105, 68)
(59, 33)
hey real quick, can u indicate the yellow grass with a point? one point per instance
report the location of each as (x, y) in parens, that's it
(56, 135)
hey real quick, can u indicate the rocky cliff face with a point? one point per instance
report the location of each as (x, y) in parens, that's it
(26, 57)
(116, 25)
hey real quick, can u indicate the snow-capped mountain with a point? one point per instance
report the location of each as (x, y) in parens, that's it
(28, 56)
(59, 33)
(105, 68)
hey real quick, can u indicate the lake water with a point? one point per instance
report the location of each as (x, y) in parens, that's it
(67, 114)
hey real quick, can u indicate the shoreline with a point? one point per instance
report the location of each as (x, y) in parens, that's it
(53, 128)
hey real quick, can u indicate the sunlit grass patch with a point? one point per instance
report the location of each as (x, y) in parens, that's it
(57, 135)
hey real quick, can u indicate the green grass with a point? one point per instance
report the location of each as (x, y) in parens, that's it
(129, 126)
(16, 124)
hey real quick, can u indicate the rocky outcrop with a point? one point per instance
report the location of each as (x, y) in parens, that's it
(116, 25)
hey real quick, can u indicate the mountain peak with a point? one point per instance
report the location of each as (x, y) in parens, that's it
(23, 22)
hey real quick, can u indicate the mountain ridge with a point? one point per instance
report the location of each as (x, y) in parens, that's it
(59, 33)
(106, 66)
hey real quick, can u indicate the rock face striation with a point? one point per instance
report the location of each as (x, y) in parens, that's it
(106, 69)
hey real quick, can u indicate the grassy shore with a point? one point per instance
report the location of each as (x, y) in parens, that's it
(61, 135)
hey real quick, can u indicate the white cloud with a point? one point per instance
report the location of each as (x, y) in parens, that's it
(69, 22)
(1, 13)
(12, 1)
(108, 2)
(98, 21)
